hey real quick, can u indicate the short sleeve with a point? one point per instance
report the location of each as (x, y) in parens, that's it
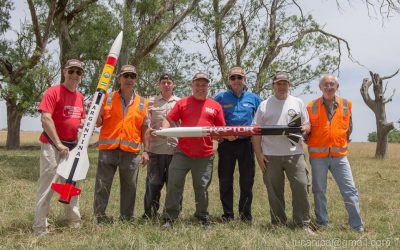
(175, 114)
(48, 102)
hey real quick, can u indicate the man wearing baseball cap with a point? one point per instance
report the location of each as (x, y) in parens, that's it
(160, 149)
(275, 155)
(239, 107)
(124, 123)
(62, 114)
(192, 154)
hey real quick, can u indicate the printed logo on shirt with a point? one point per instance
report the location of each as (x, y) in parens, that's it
(210, 110)
(248, 104)
(72, 112)
(292, 112)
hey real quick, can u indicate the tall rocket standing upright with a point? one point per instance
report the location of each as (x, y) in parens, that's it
(75, 167)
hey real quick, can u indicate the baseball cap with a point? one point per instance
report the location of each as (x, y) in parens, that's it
(127, 69)
(166, 76)
(237, 71)
(281, 76)
(74, 63)
(200, 75)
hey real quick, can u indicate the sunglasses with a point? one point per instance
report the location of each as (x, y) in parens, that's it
(236, 77)
(78, 72)
(129, 75)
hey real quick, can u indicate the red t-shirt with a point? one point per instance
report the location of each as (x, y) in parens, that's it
(197, 113)
(66, 109)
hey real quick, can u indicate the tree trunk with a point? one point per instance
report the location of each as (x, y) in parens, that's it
(377, 105)
(13, 126)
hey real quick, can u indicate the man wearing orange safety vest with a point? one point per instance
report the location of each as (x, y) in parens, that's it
(124, 122)
(331, 126)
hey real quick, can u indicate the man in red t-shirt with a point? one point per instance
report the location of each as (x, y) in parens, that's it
(62, 113)
(192, 154)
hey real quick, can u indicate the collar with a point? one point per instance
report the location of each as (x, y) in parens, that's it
(335, 102)
(233, 93)
(172, 98)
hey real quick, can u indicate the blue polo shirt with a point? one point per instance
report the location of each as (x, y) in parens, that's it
(238, 111)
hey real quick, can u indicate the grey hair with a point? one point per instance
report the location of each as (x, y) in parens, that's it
(328, 75)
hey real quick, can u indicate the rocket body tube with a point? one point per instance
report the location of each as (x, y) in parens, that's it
(76, 166)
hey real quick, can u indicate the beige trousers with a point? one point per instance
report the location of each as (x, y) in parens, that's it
(49, 159)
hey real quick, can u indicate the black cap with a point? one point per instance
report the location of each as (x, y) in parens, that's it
(166, 76)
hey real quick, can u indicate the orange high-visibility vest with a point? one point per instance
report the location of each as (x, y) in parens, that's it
(122, 132)
(328, 138)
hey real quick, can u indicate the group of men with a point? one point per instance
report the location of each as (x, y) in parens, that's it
(128, 121)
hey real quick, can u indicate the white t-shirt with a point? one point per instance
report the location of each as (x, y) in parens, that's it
(279, 112)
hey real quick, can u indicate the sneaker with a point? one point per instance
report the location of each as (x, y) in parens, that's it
(309, 231)
(167, 225)
(105, 220)
(358, 229)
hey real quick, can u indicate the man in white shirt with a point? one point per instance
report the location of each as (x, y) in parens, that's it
(276, 156)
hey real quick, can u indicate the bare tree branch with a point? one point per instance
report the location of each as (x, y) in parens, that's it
(365, 95)
(388, 77)
(78, 9)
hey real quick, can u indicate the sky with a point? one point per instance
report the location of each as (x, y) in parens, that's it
(374, 43)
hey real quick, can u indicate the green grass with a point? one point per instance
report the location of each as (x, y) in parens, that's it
(377, 182)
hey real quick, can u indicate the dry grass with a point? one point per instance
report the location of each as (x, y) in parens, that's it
(31, 138)
(377, 182)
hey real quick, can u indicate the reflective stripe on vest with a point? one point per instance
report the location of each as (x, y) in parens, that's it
(109, 99)
(345, 107)
(317, 150)
(116, 141)
(314, 107)
(141, 104)
(325, 149)
(129, 143)
(335, 149)
(108, 141)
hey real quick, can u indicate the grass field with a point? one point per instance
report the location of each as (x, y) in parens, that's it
(377, 182)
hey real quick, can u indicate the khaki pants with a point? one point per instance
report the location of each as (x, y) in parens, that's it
(49, 159)
(274, 178)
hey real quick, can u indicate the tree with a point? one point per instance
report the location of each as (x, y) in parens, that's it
(147, 23)
(18, 62)
(66, 11)
(377, 105)
(265, 36)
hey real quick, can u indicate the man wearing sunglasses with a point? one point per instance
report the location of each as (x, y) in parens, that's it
(124, 123)
(62, 114)
(239, 107)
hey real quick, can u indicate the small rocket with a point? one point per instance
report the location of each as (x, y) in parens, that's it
(292, 131)
(75, 167)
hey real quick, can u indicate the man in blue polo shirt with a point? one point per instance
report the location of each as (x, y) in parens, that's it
(239, 107)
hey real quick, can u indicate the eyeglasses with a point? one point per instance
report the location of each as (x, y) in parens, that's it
(78, 72)
(129, 75)
(236, 77)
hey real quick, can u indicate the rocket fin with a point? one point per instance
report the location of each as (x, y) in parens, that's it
(65, 166)
(83, 166)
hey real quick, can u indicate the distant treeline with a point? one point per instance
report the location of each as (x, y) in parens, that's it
(394, 136)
